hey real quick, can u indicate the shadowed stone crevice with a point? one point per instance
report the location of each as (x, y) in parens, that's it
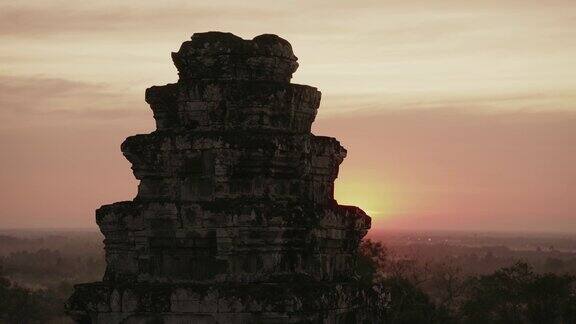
(235, 219)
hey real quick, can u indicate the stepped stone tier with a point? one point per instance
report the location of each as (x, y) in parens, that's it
(235, 219)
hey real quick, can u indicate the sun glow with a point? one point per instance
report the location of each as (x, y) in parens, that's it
(370, 195)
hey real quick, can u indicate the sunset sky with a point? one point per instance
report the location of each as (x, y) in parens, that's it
(457, 115)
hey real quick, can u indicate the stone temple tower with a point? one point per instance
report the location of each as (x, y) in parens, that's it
(235, 219)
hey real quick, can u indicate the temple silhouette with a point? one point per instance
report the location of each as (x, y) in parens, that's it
(235, 219)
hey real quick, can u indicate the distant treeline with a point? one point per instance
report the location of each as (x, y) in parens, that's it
(409, 290)
(23, 305)
(411, 283)
(37, 274)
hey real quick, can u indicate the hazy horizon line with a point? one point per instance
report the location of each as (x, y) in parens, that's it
(371, 232)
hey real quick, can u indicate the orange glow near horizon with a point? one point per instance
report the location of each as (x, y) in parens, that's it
(373, 197)
(456, 115)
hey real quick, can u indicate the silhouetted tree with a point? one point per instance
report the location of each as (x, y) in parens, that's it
(446, 286)
(372, 261)
(518, 295)
(396, 298)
